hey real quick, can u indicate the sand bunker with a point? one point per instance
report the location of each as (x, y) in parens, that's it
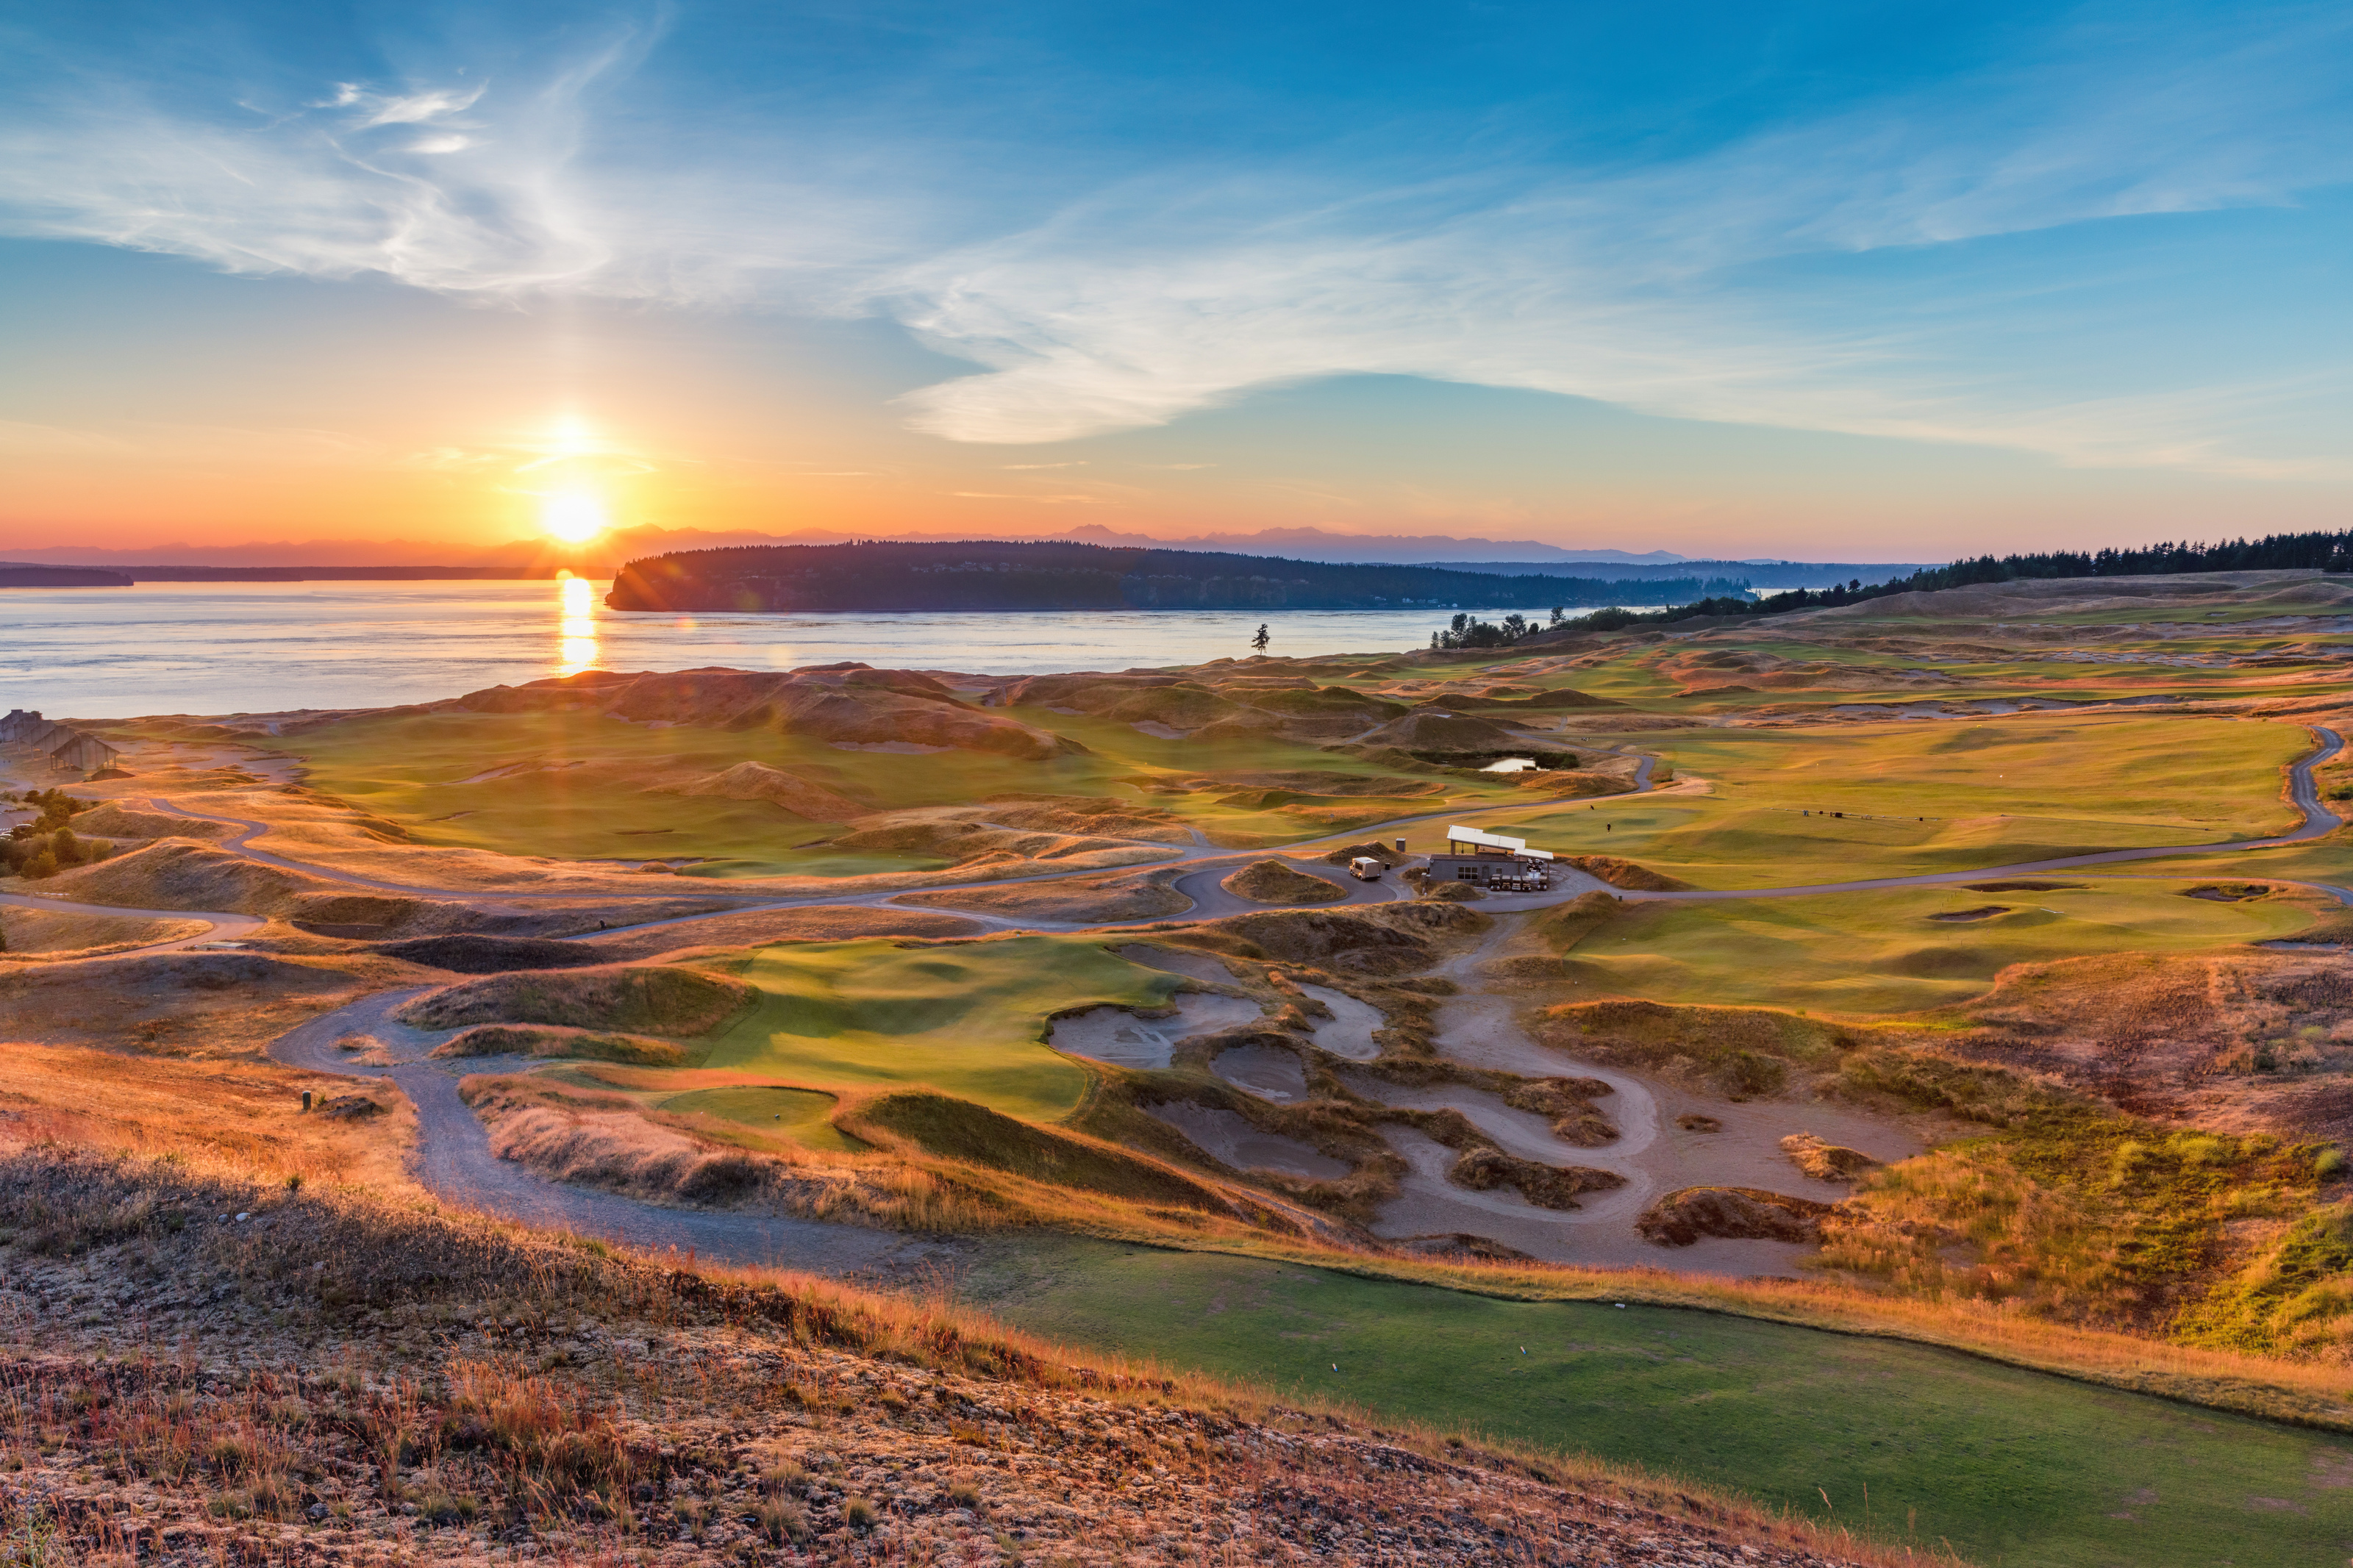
(1349, 1031)
(1428, 1204)
(1269, 1072)
(1227, 1136)
(1118, 1037)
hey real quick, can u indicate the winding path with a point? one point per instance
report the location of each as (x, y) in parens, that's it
(1210, 902)
(455, 1161)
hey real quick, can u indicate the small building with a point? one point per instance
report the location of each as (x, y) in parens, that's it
(19, 723)
(42, 734)
(1491, 860)
(85, 752)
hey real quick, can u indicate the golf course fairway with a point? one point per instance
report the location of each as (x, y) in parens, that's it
(1908, 1443)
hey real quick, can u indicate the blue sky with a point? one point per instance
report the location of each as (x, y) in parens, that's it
(1740, 279)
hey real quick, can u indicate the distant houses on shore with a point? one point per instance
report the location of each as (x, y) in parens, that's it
(66, 748)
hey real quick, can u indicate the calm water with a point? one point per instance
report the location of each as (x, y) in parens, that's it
(258, 647)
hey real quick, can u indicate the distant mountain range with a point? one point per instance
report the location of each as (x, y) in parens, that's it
(291, 560)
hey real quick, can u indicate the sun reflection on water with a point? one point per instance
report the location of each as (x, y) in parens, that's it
(577, 631)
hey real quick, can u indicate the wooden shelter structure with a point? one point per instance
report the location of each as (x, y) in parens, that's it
(85, 752)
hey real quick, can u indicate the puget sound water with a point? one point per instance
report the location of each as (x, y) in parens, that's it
(264, 648)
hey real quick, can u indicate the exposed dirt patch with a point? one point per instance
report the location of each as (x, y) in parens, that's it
(1963, 916)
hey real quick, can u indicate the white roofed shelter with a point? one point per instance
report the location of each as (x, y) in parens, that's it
(1464, 840)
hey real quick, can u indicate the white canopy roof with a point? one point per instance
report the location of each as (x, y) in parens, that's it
(1461, 834)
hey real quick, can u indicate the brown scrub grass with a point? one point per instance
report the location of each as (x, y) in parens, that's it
(995, 1172)
(223, 1116)
(409, 1329)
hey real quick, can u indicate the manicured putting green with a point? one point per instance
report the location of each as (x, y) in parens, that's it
(2010, 1466)
(1888, 952)
(803, 1115)
(969, 1020)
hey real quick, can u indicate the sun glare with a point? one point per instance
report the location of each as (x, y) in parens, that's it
(571, 516)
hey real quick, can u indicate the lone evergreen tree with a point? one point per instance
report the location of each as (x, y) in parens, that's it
(1259, 641)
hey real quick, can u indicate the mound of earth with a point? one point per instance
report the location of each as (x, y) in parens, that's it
(472, 952)
(846, 703)
(1546, 1186)
(1826, 1161)
(960, 1129)
(1439, 731)
(176, 874)
(1318, 783)
(655, 999)
(1087, 900)
(115, 820)
(1386, 854)
(1573, 783)
(1279, 882)
(1568, 1103)
(1456, 1243)
(1289, 708)
(961, 834)
(823, 922)
(758, 781)
(46, 933)
(1379, 939)
(1626, 874)
(1692, 1121)
(1740, 1213)
(1084, 815)
(542, 1040)
(1451, 891)
(1560, 698)
(180, 875)
(186, 1003)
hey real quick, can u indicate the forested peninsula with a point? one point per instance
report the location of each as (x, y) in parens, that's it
(1064, 575)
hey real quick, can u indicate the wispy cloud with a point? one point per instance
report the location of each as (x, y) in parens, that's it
(1679, 287)
(1041, 501)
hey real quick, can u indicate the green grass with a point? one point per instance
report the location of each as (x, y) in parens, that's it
(2013, 1467)
(803, 1115)
(1882, 953)
(1926, 797)
(967, 1020)
(622, 801)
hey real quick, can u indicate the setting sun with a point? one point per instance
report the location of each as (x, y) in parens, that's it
(572, 516)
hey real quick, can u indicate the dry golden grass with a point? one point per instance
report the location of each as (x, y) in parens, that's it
(244, 1117)
(38, 934)
(381, 1370)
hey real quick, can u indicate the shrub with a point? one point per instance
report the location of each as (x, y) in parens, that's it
(860, 1513)
(782, 1521)
(2327, 1163)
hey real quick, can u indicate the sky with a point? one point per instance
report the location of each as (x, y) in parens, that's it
(1834, 282)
